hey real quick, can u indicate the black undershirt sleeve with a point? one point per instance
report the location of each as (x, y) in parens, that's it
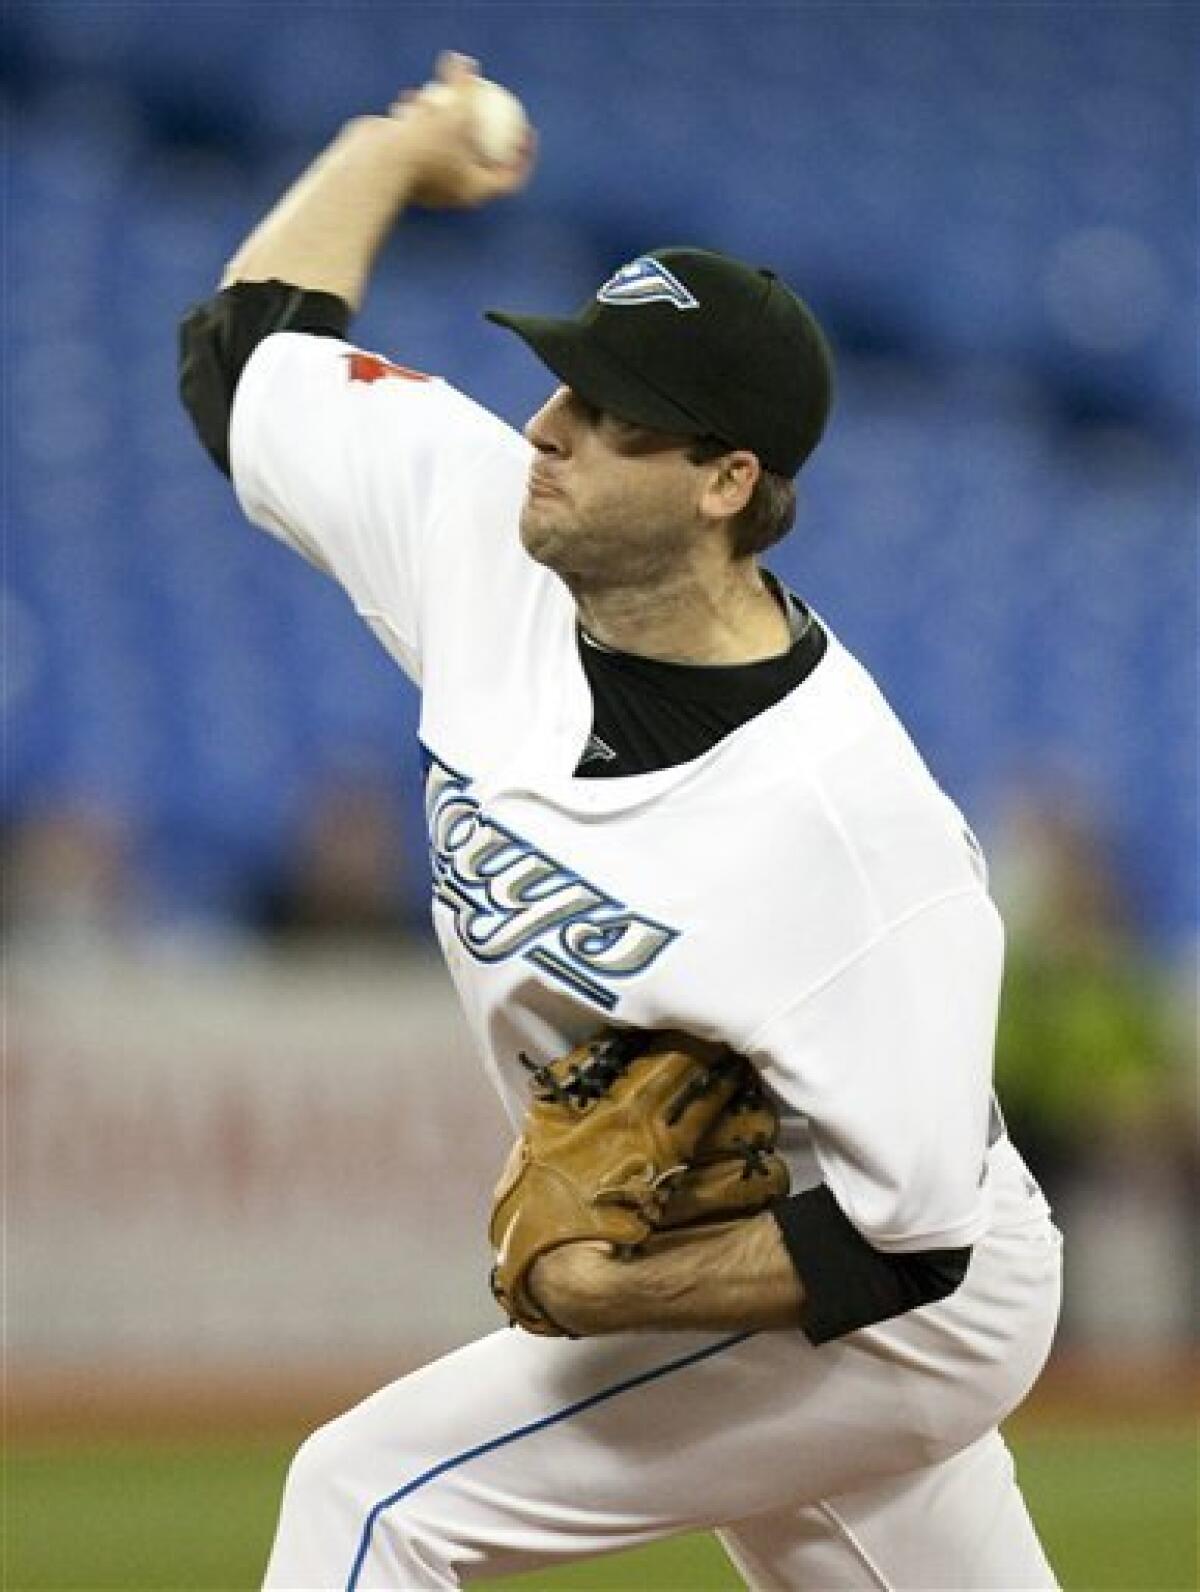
(847, 1283)
(217, 337)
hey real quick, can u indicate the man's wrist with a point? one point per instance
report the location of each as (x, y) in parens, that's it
(733, 1277)
(385, 133)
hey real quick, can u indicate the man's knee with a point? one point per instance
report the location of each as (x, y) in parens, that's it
(319, 1466)
(402, 1533)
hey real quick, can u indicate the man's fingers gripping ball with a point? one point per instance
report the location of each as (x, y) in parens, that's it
(496, 119)
(472, 138)
(629, 1134)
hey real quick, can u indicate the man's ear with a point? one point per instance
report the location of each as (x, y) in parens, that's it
(731, 480)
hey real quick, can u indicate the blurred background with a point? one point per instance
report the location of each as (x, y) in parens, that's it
(234, 1075)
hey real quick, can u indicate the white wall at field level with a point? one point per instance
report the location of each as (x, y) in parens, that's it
(236, 1157)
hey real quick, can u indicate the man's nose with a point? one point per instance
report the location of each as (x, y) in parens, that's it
(547, 430)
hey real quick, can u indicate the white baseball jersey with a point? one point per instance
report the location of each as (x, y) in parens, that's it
(803, 891)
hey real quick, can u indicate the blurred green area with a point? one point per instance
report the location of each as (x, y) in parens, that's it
(1085, 1050)
(1116, 1506)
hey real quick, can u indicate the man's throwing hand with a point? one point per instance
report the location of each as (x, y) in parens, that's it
(460, 157)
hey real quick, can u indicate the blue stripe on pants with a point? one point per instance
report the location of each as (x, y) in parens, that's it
(526, 1431)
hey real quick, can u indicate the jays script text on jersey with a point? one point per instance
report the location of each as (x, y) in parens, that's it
(509, 899)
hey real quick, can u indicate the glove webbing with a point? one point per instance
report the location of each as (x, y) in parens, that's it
(608, 1059)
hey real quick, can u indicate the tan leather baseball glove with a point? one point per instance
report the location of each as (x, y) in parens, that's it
(630, 1134)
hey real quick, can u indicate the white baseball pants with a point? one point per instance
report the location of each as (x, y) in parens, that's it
(872, 1462)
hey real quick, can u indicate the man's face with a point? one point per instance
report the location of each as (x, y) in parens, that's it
(607, 503)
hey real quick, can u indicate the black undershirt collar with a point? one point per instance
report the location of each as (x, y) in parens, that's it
(649, 714)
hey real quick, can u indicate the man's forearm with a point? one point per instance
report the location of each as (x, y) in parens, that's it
(737, 1277)
(326, 231)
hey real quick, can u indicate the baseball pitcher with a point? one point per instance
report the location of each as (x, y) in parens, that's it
(771, 1263)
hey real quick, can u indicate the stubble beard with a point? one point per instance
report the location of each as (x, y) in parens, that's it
(545, 540)
(591, 559)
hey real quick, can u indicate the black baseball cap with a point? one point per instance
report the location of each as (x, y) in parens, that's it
(695, 343)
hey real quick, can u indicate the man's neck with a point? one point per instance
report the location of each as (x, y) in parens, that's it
(736, 619)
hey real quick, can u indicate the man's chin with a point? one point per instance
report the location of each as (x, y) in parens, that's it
(541, 537)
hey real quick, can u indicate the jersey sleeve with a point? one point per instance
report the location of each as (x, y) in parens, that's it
(359, 464)
(890, 1060)
(218, 336)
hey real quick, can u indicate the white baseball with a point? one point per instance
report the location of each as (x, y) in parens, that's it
(498, 118)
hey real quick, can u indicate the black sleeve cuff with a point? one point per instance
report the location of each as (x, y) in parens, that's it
(847, 1283)
(216, 339)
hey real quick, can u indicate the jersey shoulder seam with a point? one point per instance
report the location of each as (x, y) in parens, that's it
(864, 950)
(834, 820)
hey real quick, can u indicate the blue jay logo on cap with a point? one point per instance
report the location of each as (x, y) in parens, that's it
(646, 281)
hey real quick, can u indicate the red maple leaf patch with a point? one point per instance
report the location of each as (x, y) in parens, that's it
(373, 367)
